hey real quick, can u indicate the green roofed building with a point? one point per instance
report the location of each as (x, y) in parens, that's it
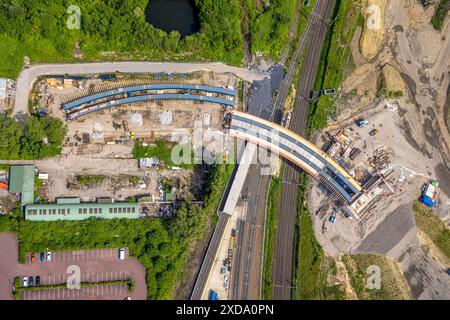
(73, 209)
(21, 180)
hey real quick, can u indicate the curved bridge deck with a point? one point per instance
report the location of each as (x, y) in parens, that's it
(142, 93)
(296, 149)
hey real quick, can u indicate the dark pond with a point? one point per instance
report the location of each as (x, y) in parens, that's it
(173, 15)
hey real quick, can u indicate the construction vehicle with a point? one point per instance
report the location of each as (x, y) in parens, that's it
(430, 194)
(333, 216)
(125, 126)
(213, 295)
(373, 132)
(362, 123)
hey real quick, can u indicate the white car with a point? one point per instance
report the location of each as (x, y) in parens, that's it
(122, 254)
(49, 256)
(24, 282)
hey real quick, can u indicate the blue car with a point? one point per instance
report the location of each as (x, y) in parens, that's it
(38, 281)
(42, 257)
(31, 281)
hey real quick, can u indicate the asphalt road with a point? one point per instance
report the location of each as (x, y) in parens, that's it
(28, 75)
(284, 253)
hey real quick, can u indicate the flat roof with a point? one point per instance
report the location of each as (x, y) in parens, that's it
(81, 211)
(240, 177)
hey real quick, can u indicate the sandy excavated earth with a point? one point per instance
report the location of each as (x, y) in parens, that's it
(414, 59)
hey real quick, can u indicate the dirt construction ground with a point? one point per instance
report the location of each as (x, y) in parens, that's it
(100, 159)
(413, 131)
(100, 265)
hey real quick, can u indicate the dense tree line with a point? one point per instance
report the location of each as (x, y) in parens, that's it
(116, 29)
(269, 25)
(35, 138)
(162, 246)
(37, 29)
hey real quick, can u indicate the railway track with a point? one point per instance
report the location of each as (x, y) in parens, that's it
(284, 253)
(243, 262)
(244, 255)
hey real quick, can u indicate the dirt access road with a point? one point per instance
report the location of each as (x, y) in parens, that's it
(29, 75)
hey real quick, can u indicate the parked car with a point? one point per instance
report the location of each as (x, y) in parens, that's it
(127, 298)
(329, 91)
(362, 122)
(31, 281)
(42, 257)
(373, 132)
(33, 257)
(122, 254)
(24, 282)
(38, 281)
(49, 256)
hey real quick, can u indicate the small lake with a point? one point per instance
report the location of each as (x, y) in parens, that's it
(173, 15)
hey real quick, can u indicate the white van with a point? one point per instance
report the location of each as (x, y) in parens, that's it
(122, 254)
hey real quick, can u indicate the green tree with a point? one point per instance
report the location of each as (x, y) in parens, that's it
(9, 137)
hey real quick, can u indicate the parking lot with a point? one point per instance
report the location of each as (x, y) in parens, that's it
(79, 255)
(95, 266)
(98, 292)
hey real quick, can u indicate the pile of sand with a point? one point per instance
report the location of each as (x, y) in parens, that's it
(372, 36)
(394, 81)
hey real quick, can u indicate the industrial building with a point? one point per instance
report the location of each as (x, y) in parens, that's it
(74, 209)
(21, 180)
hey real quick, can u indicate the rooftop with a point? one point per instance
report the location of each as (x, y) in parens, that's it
(21, 180)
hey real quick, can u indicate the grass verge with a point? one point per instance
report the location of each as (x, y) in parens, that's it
(336, 58)
(433, 226)
(270, 236)
(441, 13)
(393, 285)
(311, 266)
(163, 150)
